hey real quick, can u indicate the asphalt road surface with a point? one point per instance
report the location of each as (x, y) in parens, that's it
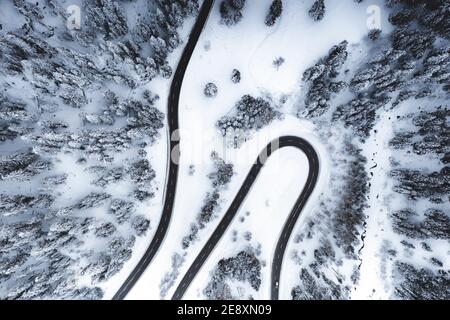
(172, 114)
(313, 160)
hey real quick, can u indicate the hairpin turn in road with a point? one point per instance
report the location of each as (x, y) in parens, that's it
(313, 161)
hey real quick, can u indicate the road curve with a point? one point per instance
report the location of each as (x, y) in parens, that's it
(313, 160)
(172, 116)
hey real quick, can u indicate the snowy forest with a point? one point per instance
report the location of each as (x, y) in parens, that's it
(80, 121)
(405, 73)
(76, 124)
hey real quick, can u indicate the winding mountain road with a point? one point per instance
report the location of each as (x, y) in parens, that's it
(313, 161)
(285, 141)
(171, 185)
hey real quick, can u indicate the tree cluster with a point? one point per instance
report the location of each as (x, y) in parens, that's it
(210, 90)
(434, 15)
(435, 224)
(348, 215)
(244, 267)
(47, 240)
(322, 85)
(22, 166)
(220, 178)
(421, 283)
(431, 137)
(317, 11)
(274, 13)
(236, 76)
(418, 184)
(316, 288)
(359, 114)
(249, 113)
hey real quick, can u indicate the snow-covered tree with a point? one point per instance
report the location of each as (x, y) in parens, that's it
(210, 90)
(317, 11)
(236, 76)
(274, 12)
(249, 113)
(140, 225)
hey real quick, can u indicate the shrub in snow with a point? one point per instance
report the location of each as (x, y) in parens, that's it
(191, 170)
(106, 265)
(417, 184)
(121, 210)
(165, 71)
(383, 74)
(346, 214)
(170, 277)
(433, 15)
(191, 237)
(220, 178)
(348, 219)
(278, 62)
(210, 90)
(13, 110)
(53, 126)
(55, 180)
(97, 119)
(106, 176)
(235, 76)
(7, 132)
(402, 17)
(150, 97)
(143, 120)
